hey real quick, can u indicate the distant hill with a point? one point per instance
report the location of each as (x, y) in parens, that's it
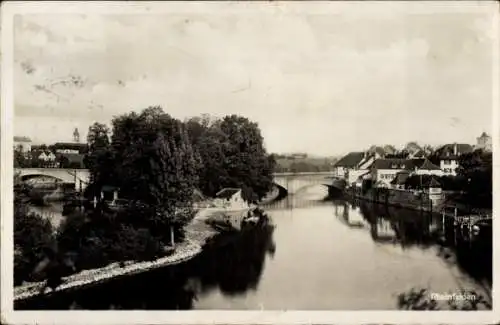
(293, 163)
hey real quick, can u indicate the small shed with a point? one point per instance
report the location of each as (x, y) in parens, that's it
(230, 198)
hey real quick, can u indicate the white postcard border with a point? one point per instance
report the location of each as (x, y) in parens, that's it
(9, 9)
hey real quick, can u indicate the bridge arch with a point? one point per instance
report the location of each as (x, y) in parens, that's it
(35, 176)
(79, 177)
(293, 183)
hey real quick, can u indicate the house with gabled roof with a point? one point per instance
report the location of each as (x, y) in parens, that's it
(230, 199)
(428, 168)
(449, 155)
(385, 171)
(347, 163)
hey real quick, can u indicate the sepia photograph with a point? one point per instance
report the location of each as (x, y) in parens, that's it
(249, 156)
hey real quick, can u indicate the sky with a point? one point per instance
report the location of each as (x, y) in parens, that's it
(316, 82)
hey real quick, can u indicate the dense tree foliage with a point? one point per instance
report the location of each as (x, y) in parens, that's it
(33, 235)
(20, 159)
(155, 166)
(99, 159)
(477, 169)
(232, 154)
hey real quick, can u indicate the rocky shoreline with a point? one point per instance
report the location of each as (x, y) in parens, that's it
(197, 233)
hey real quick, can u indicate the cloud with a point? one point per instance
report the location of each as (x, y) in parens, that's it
(306, 78)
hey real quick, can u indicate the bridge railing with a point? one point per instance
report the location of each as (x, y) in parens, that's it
(305, 174)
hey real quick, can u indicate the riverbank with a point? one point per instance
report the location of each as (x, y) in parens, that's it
(197, 234)
(407, 199)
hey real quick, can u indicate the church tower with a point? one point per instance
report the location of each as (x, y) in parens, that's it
(76, 136)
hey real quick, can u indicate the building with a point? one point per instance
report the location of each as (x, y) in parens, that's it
(427, 168)
(449, 155)
(230, 199)
(22, 144)
(44, 158)
(484, 142)
(347, 164)
(385, 171)
(70, 148)
(362, 170)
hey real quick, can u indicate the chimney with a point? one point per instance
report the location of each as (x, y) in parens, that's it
(455, 149)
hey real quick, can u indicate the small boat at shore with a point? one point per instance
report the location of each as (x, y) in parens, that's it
(240, 220)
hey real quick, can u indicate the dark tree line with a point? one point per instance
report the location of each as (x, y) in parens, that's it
(476, 172)
(231, 154)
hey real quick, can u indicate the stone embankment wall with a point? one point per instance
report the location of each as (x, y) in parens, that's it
(398, 198)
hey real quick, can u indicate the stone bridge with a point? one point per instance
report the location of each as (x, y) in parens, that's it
(292, 183)
(79, 177)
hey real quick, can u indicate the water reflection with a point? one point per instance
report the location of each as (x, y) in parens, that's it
(409, 228)
(332, 256)
(232, 264)
(310, 197)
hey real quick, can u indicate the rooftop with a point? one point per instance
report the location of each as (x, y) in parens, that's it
(400, 178)
(427, 165)
(227, 193)
(397, 163)
(350, 160)
(448, 150)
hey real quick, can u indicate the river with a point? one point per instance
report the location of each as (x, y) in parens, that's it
(321, 255)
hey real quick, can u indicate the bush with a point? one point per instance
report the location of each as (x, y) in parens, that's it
(100, 238)
(135, 244)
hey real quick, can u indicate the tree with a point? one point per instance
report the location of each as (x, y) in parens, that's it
(20, 160)
(247, 162)
(32, 236)
(99, 159)
(477, 169)
(412, 146)
(232, 154)
(155, 167)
